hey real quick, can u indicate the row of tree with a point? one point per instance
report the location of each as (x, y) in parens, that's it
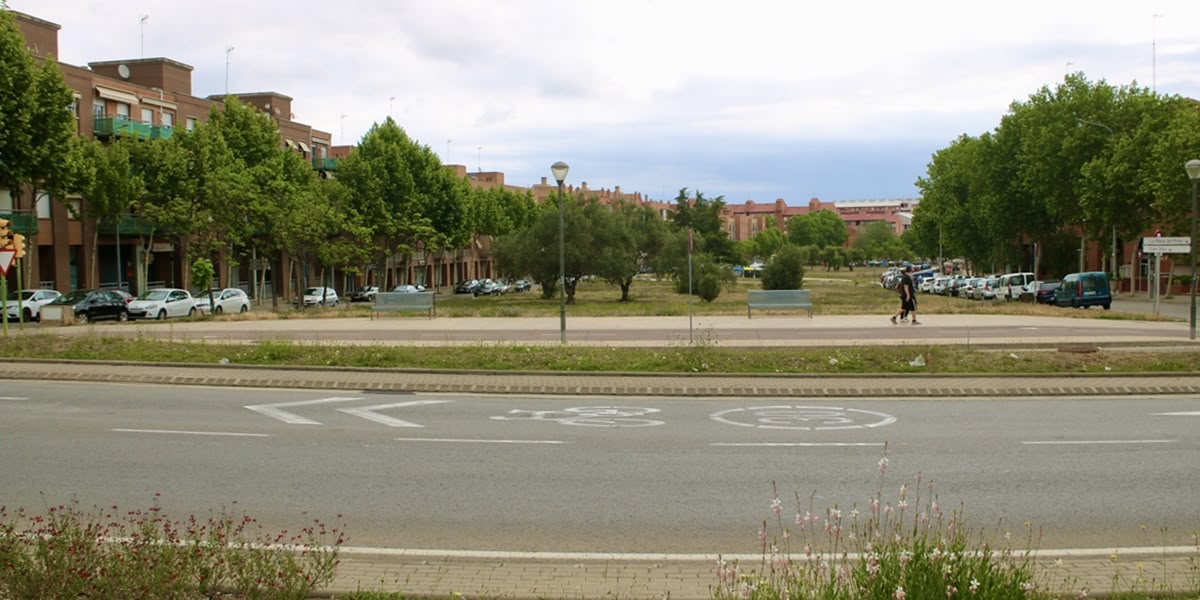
(1083, 158)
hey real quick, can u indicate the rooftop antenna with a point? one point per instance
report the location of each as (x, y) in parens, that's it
(142, 19)
(228, 51)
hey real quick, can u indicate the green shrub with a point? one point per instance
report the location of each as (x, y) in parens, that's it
(785, 270)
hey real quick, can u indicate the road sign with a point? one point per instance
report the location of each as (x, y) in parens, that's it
(6, 259)
(1167, 245)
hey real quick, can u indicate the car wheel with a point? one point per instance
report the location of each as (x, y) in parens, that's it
(192, 312)
(81, 318)
(123, 316)
(244, 308)
(29, 316)
(218, 310)
(1107, 306)
(162, 315)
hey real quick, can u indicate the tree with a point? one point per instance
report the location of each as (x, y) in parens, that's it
(785, 270)
(111, 190)
(820, 228)
(628, 237)
(762, 245)
(703, 216)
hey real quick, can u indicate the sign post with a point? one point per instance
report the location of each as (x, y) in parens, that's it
(6, 259)
(1159, 246)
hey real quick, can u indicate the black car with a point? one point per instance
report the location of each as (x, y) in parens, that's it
(365, 293)
(94, 305)
(466, 287)
(1045, 292)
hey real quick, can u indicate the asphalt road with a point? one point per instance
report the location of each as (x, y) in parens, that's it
(603, 473)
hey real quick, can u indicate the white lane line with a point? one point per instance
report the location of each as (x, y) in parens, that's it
(179, 432)
(470, 441)
(1195, 413)
(12, 398)
(1088, 442)
(275, 410)
(799, 444)
(368, 412)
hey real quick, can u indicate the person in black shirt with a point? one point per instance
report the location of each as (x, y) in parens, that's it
(908, 297)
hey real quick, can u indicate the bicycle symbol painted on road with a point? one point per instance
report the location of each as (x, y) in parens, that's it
(803, 418)
(588, 416)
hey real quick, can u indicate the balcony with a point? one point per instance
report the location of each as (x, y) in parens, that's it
(108, 127)
(161, 133)
(126, 225)
(324, 164)
(22, 223)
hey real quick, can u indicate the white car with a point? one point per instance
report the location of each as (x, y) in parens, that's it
(161, 303)
(29, 303)
(320, 296)
(229, 300)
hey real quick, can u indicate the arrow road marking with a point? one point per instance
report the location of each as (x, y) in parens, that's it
(274, 410)
(368, 412)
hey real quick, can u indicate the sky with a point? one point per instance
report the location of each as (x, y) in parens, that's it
(747, 100)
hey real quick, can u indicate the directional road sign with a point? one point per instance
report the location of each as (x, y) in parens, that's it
(1167, 245)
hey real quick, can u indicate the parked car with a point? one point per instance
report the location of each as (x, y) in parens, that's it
(967, 288)
(489, 288)
(988, 290)
(320, 296)
(27, 304)
(126, 296)
(94, 305)
(365, 293)
(229, 300)
(466, 287)
(1012, 285)
(521, 285)
(162, 303)
(1043, 291)
(1081, 290)
(406, 288)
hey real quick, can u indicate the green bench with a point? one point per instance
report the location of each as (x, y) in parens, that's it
(398, 301)
(778, 299)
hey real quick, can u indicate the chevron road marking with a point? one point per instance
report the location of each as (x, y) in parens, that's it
(275, 411)
(368, 412)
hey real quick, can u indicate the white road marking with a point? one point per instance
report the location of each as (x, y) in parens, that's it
(1087, 442)
(274, 410)
(470, 441)
(12, 398)
(368, 412)
(1194, 413)
(178, 432)
(799, 444)
(803, 418)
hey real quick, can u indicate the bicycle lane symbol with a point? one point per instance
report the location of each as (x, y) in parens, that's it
(588, 416)
(803, 418)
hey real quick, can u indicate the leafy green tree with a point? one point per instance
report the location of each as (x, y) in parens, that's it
(879, 240)
(535, 249)
(819, 228)
(762, 245)
(710, 276)
(111, 189)
(785, 270)
(165, 206)
(627, 237)
(703, 216)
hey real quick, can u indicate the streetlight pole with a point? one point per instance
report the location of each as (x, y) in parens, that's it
(1193, 171)
(559, 170)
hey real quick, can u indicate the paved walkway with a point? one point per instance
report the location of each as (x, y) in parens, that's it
(687, 577)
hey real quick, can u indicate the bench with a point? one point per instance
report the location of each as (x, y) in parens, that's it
(772, 299)
(395, 301)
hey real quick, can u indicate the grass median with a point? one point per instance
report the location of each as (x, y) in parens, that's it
(845, 293)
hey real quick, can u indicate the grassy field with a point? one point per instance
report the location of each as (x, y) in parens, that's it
(833, 294)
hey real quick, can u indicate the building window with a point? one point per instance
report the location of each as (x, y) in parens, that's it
(73, 108)
(122, 111)
(43, 204)
(98, 109)
(147, 116)
(191, 123)
(168, 119)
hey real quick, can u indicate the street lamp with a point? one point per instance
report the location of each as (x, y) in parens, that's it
(1193, 171)
(559, 170)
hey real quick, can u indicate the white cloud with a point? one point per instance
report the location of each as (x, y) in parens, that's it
(654, 95)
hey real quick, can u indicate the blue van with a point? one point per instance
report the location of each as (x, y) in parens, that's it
(1081, 290)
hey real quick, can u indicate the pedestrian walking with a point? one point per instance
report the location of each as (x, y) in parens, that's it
(908, 298)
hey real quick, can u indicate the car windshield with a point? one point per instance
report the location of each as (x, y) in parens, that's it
(72, 297)
(313, 291)
(154, 295)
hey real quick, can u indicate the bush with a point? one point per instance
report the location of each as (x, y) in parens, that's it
(68, 554)
(785, 270)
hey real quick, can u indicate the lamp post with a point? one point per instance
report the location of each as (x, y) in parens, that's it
(559, 170)
(1193, 171)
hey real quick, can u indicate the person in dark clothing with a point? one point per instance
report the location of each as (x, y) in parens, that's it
(908, 298)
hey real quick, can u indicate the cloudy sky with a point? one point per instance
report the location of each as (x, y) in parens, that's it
(750, 100)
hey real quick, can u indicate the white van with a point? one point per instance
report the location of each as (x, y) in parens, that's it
(1012, 285)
